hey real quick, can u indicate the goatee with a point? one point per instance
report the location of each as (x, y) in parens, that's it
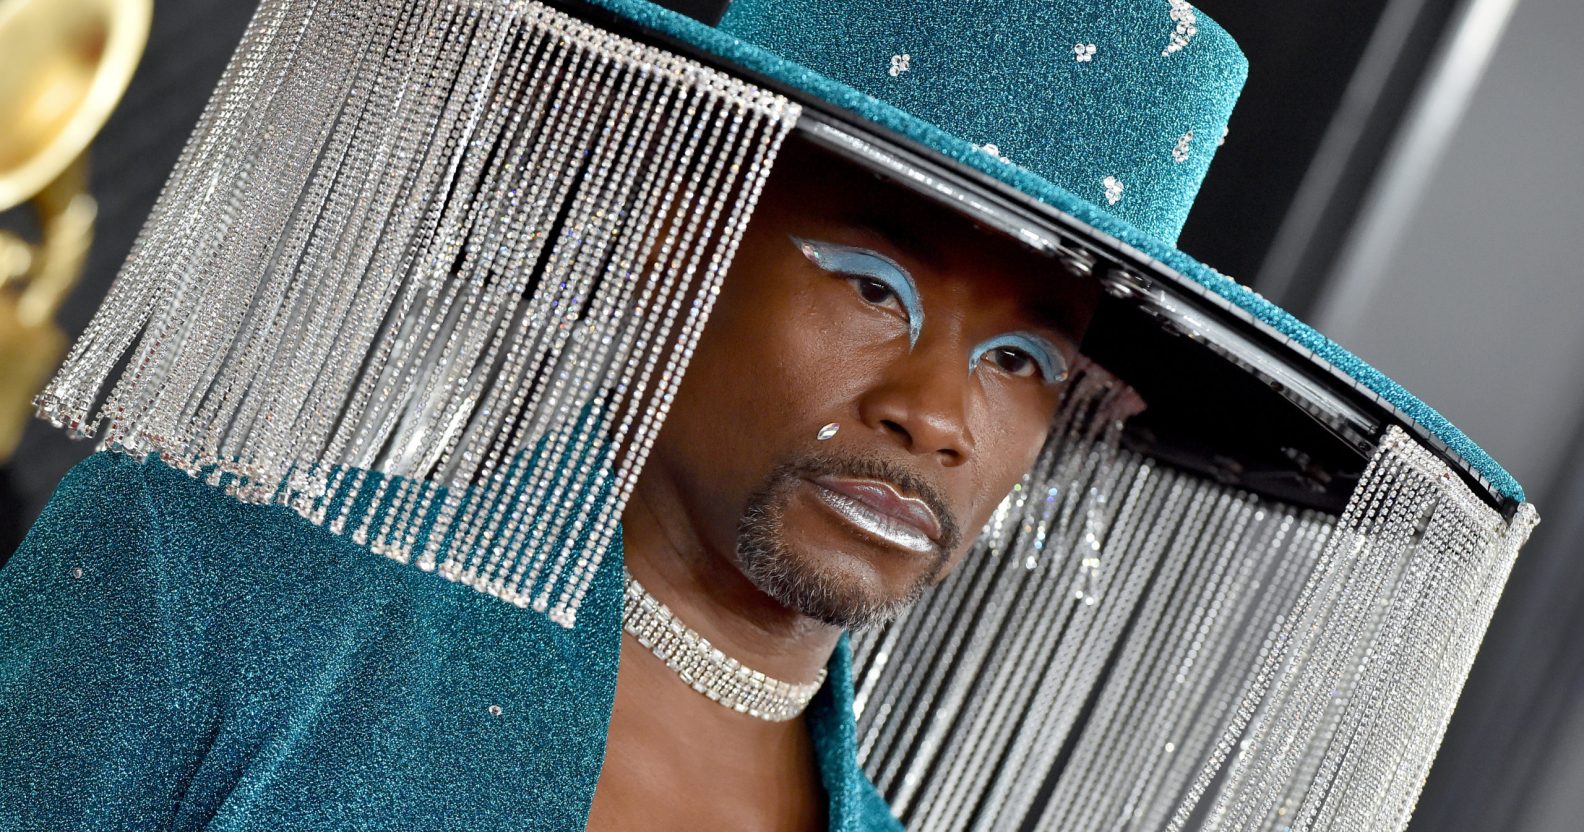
(800, 583)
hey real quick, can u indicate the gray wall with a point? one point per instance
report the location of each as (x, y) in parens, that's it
(1465, 282)
(1474, 299)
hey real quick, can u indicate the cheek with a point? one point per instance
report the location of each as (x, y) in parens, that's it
(805, 347)
(778, 358)
(774, 352)
(1005, 461)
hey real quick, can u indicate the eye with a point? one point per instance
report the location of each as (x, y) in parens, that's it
(1014, 361)
(873, 290)
(1022, 355)
(878, 279)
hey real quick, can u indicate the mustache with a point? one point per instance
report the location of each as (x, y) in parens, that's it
(812, 465)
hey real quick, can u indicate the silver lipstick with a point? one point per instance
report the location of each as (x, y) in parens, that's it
(890, 529)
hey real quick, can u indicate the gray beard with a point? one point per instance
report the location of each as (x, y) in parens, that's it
(798, 582)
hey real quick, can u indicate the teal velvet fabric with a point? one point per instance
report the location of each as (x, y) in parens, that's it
(985, 72)
(171, 659)
(1009, 73)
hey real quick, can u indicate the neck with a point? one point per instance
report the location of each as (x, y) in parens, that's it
(702, 585)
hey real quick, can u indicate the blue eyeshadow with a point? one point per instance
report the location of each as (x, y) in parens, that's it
(862, 262)
(1052, 366)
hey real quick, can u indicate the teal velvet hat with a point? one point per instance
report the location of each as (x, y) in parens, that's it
(409, 281)
(1108, 108)
(1084, 128)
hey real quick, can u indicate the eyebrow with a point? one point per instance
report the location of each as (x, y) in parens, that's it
(899, 235)
(1059, 318)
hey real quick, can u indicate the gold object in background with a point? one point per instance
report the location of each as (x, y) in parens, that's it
(63, 66)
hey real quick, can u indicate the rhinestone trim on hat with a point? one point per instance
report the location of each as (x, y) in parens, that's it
(1182, 12)
(705, 668)
(1113, 189)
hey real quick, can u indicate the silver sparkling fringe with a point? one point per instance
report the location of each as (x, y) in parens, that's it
(1132, 647)
(429, 274)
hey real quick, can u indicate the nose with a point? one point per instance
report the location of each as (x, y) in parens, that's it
(922, 402)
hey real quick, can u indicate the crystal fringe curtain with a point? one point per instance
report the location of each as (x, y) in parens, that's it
(468, 244)
(1131, 647)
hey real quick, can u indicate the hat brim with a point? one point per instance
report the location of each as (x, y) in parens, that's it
(1237, 387)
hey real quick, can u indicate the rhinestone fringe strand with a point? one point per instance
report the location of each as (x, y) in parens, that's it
(429, 273)
(1132, 647)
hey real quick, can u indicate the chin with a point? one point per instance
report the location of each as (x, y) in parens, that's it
(844, 588)
(801, 553)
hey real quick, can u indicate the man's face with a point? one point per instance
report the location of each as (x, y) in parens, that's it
(937, 349)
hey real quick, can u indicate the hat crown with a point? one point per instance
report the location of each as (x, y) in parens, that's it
(1120, 102)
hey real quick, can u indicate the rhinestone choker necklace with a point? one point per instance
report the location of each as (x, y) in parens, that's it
(705, 668)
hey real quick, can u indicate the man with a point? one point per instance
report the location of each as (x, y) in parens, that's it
(939, 351)
(453, 262)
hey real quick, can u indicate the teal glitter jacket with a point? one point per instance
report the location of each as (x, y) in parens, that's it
(171, 659)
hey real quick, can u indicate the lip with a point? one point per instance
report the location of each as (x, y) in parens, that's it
(883, 498)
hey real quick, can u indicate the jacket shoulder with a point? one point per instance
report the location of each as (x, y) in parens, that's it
(325, 686)
(102, 712)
